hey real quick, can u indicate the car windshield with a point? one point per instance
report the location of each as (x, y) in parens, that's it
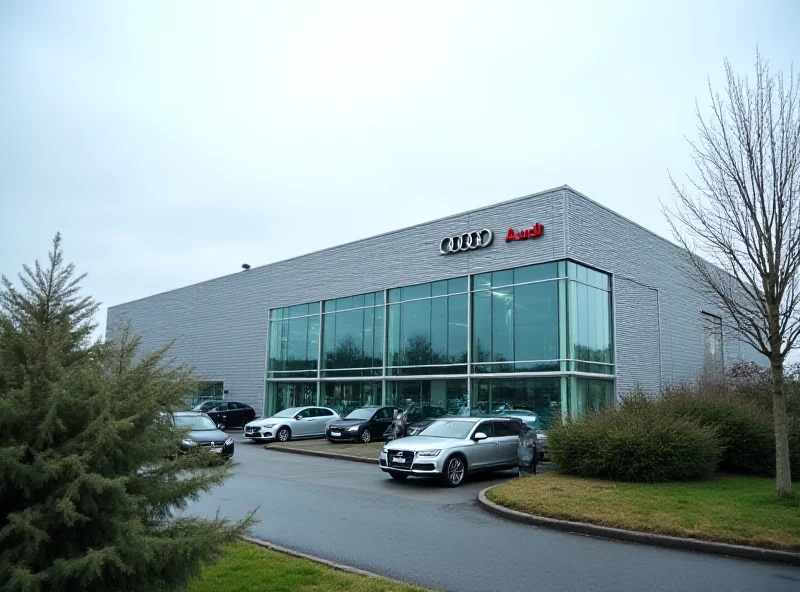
(194, 422)
(290, 412)
(441, 428)
(206, 406)
(360, 414)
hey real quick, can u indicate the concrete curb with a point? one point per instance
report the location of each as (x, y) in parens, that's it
(335, 455)
(646, 538)
(314, 558)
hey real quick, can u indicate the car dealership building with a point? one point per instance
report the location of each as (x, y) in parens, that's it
(549, 302)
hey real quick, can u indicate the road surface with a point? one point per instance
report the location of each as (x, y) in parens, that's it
(420, 532)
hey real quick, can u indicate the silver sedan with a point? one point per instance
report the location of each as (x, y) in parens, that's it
(294, 422)
(451, 448)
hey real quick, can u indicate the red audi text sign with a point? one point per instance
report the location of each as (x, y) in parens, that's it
(534, 231)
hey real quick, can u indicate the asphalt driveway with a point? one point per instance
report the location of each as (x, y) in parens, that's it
(421, 532)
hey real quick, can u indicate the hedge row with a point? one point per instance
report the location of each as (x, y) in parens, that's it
(683, 435)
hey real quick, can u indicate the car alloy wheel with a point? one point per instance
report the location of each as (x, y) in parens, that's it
(454, 471)
(366, 436)
(284, 434)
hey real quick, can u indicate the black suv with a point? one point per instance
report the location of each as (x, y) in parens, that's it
(361, 425)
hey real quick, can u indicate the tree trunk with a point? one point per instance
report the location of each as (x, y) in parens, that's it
(783, 472)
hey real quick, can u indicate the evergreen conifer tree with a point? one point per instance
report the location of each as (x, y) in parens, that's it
(91, 483)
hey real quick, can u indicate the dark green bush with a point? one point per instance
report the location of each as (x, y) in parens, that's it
(639, 441)
(744, 429)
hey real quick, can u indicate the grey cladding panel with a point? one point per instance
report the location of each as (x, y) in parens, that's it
(606, 240)
(637, 345)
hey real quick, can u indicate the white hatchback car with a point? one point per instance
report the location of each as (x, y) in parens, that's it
(294, 422)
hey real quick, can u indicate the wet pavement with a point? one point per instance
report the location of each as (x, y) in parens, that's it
(433, 536)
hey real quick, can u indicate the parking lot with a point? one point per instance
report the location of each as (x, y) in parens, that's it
(437, 537)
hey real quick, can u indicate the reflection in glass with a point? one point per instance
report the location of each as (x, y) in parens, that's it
(587, 394)
(517, 326)
(353, 339)
(294, 345)
(590, 324)
(281, 395)
(344, 397)
(507, 395)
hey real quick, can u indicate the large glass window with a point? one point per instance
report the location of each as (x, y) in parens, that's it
(428, 329)
(518, 397)
(428, 398)
(713, 362)
(281, 395)
(590, 322)
(352, 343)
(587, 394)
(294, 341)
(553, 318)
(515, 320)
(344, 397)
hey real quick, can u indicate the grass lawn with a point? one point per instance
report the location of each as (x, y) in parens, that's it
(730, 509)
(247, 567)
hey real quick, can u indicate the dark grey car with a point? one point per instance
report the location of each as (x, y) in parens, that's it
(203, 433)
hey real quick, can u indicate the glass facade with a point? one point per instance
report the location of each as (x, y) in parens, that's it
(294, 341)
(433, 397)
(537, 339)
(713, 362)
(352, 343)
(428, 329)
(343, 397)
(515, 320)
(590, 328)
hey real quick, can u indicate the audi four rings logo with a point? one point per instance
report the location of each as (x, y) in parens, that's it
(477, 239)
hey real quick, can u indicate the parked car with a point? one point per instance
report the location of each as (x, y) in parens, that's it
(294, 422)
(530, 418)
(206, 405)
(362, 425)
(203, 433)
(413, 421)
(453, 447)
(417, 413)
(227, 414)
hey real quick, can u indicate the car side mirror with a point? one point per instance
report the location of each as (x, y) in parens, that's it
(220, 426)
(479, 436)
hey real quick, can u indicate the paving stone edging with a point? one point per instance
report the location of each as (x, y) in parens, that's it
(314, 558)
(336, 455)
(646, 538)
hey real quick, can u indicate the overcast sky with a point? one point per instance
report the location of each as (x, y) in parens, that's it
(172, 142)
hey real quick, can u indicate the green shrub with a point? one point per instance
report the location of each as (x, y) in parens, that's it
(744, 429)
(639, 441)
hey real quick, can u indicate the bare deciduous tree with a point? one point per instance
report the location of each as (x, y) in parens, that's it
(742, 214)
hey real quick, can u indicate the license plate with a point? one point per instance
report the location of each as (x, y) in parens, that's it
(216, 449)
(336, 434)
(399, 459)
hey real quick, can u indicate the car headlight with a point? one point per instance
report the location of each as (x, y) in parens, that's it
(428, 453)
(229, 441)
(353, 429)
(269, 425)
(188, 442)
